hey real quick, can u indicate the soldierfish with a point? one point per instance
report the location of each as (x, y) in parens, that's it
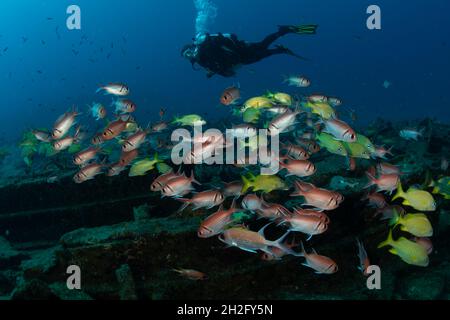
(364, 261)
(191, 274)
(321, 264)
(340, 130)
(252, 202)
(299, 168)
(297, 81)
(160, 182)
(117, 89)
(63, 124)
(206, 199)
(88, 173)
(127, 157)
(251, 241)
(85, 156)
(386, 182)
(134, 141)
(124, 106)
(179, 186)
(230, 96)
(114, 129)
(43, 136)
(307, 224)
(215, 224)
(282, 123)
(296, 152)
(319, 198)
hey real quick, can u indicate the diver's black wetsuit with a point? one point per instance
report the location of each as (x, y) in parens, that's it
(220, 54)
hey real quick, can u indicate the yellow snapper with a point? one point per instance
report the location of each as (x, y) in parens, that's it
(264, 183)
(415, 223)
(142, 167)
(257, 103)
(366, 143)
(251, 115)
(409, 251)
(442, 187)
(280, 97)
(332, 145)
(418, 199)
(322, 109)
(356, 150)
(189, 120)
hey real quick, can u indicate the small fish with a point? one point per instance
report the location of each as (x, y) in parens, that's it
(334, 102)
(311, 146)
(192, 274)
(442, 187)
(318, 98)
(53, 179)
(252, 202)
(230, 96)
(320, 264)
(387, 168)
(243, 131)
(117, 89)
(386, 182)
(364, 261)
(43, 136)
(189, 120)
(382, 152)
(376, 200)
(351, 164)
(387, 84)
(297, 81)
(124, 106)
(162, 112)
(444, 164)
(98, 111)
(160, 126)
(411, 134)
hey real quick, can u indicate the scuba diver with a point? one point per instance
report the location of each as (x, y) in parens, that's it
(222, 54)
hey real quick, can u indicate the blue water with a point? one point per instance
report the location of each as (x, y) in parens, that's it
(346, 59)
